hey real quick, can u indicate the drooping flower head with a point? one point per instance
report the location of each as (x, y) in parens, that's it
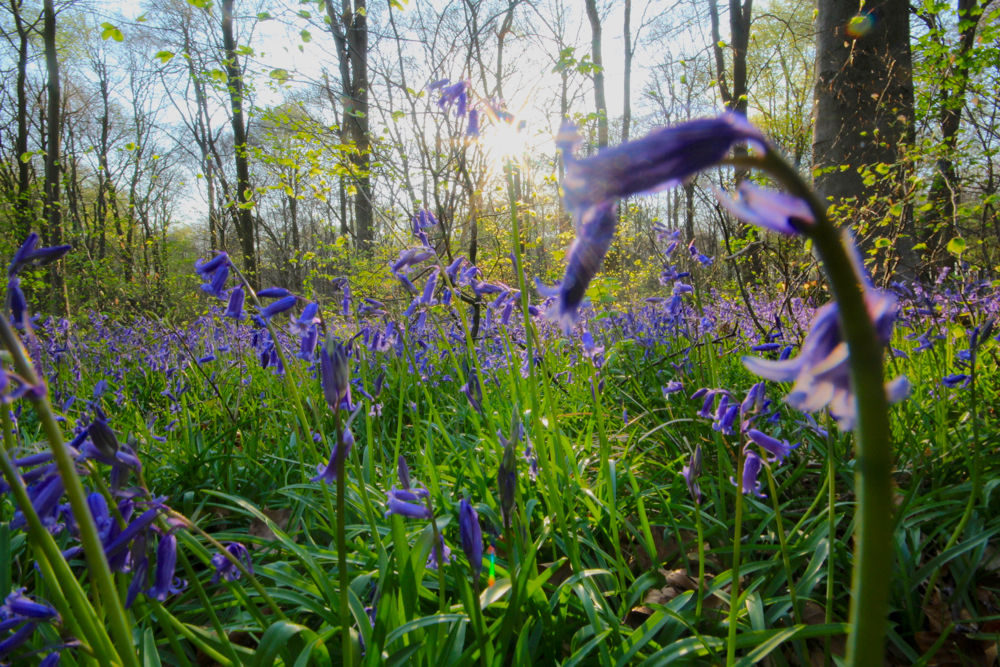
(334, 373)
(821, 371)
(593, 185)
(778, 449)
(691, 473)
(225, 569)
(328, 473)
(471, 534)
(752, 465)
(29, 254)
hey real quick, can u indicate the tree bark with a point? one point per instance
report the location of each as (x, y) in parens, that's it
(243, 199)
(350, 34)
(627, 93)
(600, 102)
(864, 113)
(22, 201)
(53, 212)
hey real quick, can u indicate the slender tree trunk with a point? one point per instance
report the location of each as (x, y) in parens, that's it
(22, 202)
(600, 102)
(244, 192)
(627, 92)
(350, 35)
(53, 212)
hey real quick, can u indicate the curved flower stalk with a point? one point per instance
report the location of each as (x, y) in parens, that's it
(841, 363)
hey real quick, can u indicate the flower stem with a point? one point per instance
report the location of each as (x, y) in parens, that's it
(873, 451)
(734, 586)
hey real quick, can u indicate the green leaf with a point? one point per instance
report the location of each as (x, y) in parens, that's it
(280, 75)
(150, 655)
(956, 246)
(263, 16)
(883, 243)
(275, 638)
(164, 56)
(109, 31)
(306, 36)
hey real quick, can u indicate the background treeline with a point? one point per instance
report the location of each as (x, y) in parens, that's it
(301, 136)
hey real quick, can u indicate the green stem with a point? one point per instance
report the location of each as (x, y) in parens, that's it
(783, 544)
(873, 556)
(734, 587)
(345, 609)
(701, 562)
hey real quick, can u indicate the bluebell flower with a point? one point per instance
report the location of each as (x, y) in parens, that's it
(334, 373)
(956, 380)
(471, 535)
(454, 95)
(301, 325)
(206, 268)
(820, 372)
(691, 472)
(778, 449)
(427, 299)
(754, 400)
(772, 210)
(661, 159)
(403, 472)
(140, 572)
(472, 388)
(280, 306)
(408, 258)
(507, 481)
(408, 503)
(164, 583)
(594, 236)
(273, 293)
(20, 607)
(17, 303)
(29, 254)
(307, 346)
(672, 387)
(17, 638)
(752, 465)
(216, 285)
(328, 473)
(45, 496)
(225, 569)
(440, 555)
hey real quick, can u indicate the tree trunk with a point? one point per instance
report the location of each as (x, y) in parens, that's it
(350, 34)
(627, 93)
(600, 102)
(22, 202)
(243, 200)
(864, 114)
(53, 212)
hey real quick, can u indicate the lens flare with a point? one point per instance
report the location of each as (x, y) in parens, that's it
(860, 25)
